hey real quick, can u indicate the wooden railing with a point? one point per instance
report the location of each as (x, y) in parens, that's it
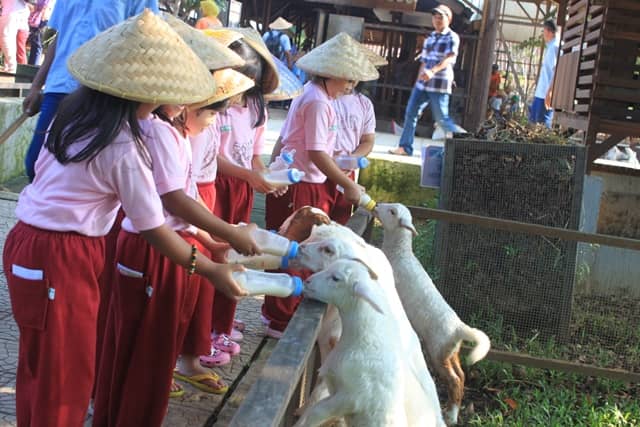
(288, 375)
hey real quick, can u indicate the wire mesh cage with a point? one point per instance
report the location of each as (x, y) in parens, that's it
(523, 282)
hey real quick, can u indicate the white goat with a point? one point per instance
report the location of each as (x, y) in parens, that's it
(437, 324)
(329, 243)
(357, 372)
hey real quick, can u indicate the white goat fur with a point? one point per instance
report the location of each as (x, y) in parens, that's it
(437, 324)
(328, 243)
(357, 372)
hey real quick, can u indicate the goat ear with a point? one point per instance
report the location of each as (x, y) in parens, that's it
(364, 290)
(372, 273)
(406, 223)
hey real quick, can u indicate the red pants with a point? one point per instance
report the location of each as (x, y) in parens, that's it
(105, 281)
(341, 209)
(147, 322)
(280, 310)
(234, 201)
(56, 354)
(197, 341)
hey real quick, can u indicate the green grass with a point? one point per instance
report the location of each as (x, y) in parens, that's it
(501, 394)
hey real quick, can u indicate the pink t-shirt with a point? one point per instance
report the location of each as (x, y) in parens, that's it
(311, 125)
(85, 197)
(171, 157)
(239, 140)
(204, 147)
(355, 119)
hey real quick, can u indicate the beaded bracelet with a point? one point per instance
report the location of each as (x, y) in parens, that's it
(192, 265)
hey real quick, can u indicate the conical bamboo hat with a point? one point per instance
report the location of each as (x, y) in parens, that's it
(142, 59)
(214, 55)
(228, 83)
(340, 57)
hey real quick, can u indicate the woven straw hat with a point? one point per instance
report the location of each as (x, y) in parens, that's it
(254, 40)
(340, 57)
(214, 55)
(142, 59)
(280, 24)
(374, 58)
(224, 36)
(289, 87)
(228, 83)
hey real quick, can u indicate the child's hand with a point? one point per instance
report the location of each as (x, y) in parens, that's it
(218, 251)
(258, 183)
(352, 193)
(222, 280)
(242, 240)
(280, 191)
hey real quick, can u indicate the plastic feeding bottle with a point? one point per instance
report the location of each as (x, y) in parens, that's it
(283, 176)
(272, 243)
(273, 284)
(258, 262)
(365, 201)
(283, 161)
(348, 162)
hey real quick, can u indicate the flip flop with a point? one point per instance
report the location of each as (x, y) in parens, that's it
(179, 392)
(197, 381)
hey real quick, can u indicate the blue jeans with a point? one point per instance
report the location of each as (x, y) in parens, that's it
(418, 101)
(538, 113)
(48, 109)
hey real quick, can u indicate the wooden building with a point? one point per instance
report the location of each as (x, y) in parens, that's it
(597, 83)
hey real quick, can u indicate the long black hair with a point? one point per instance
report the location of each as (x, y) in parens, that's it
(254, 69)
(89, 114)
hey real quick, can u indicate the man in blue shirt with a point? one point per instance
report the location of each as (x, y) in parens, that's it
(541, 110)
(435, 80)
(76, 21)
(278, 42)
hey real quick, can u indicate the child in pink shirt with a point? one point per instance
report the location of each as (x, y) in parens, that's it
(241, 131)
(94, 161)
(355, 136)
(310, 129)
(140, 324)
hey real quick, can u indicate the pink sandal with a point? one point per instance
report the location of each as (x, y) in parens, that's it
(224, 343)
(239, 325)
(216, 358)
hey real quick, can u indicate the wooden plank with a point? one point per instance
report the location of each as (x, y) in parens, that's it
(568, 45)
(570, 120)
(590, 51)
(616, 94)
(577, 6)
(562, 365)
(585, 80)
(626, 127)
(587, 65)
(618, 170)
(577, 19)
(582, 108)
(269, 397)
(622, 35)
(573, 32)
(595, 22)
(592, 35)
(583, 93)
(522, 227)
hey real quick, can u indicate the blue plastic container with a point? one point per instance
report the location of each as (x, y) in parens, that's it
(431, 171)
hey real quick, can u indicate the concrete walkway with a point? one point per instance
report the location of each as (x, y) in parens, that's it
(195, 408)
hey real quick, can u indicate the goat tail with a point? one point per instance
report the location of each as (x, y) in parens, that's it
(481, 340)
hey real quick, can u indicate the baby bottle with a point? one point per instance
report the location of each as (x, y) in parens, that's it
(272, 243)
(274, 284)
(283, 161)
(258, 262)
(349, 162)
(283, 176)
(365, 201)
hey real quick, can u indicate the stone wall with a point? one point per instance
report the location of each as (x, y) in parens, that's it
(13, 151)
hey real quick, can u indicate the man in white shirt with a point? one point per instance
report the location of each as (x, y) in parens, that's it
(541, 110)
